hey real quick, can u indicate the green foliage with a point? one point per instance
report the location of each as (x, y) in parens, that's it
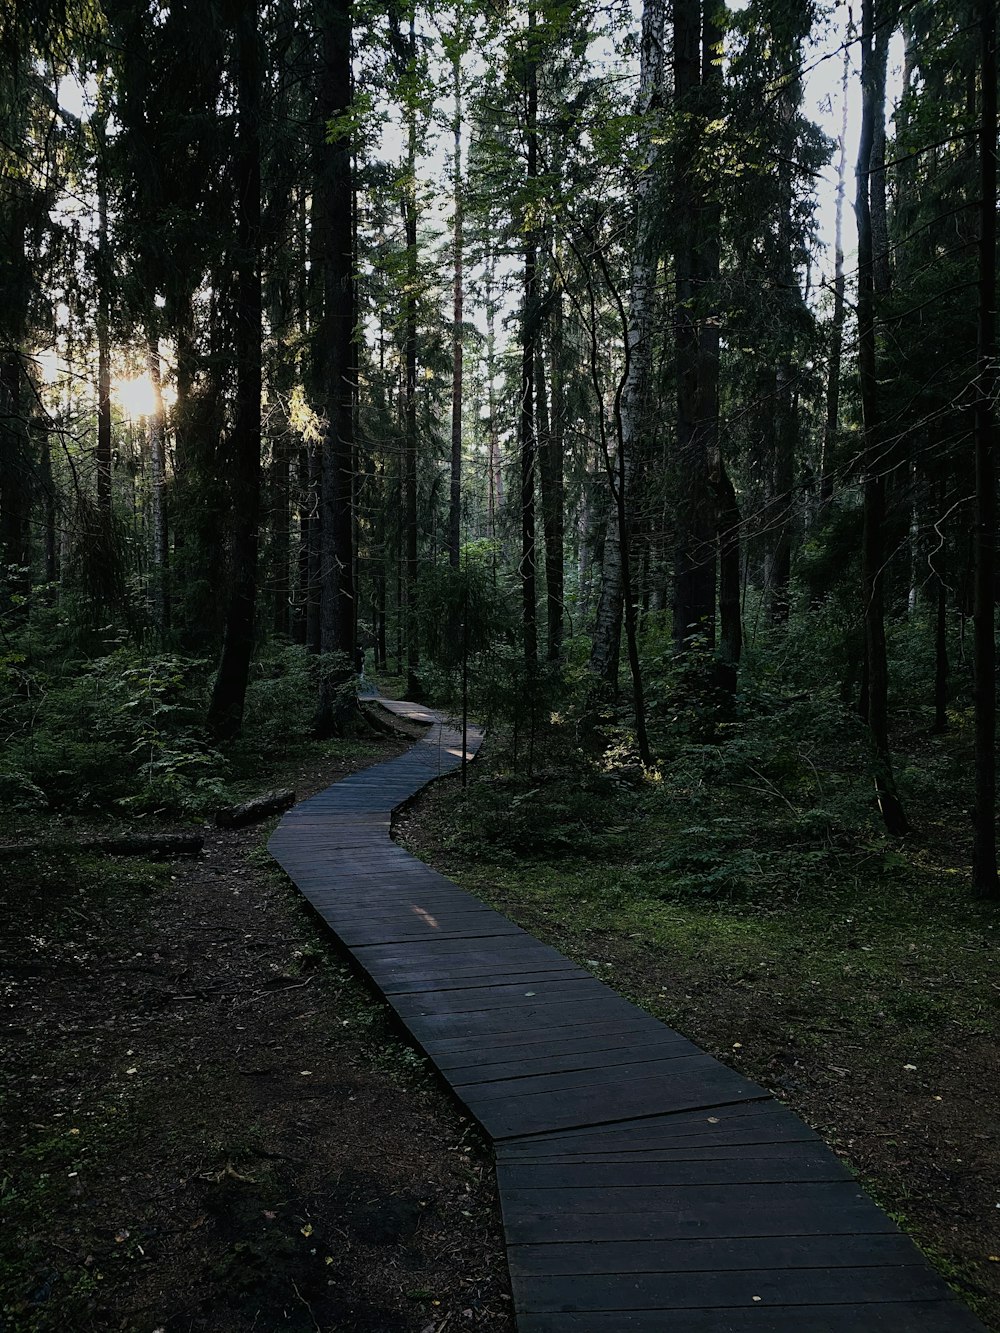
(280, 703)
(458, 609)
(120, 730)
(550, 814)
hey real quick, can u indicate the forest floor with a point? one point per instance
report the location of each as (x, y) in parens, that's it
(860, 985)
(207, 1122)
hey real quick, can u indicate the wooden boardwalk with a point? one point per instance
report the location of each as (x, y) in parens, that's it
(644, 1185)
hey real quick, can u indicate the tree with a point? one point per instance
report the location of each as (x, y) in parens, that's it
(876, 29)
(633, 401)
(225, 716)
(984, 852)
(456, 45)
(333, 348)
(697, 75)
(527, 443)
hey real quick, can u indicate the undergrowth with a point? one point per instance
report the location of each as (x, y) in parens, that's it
(123, 733)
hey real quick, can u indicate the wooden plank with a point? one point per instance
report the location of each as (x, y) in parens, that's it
(516, 995)
(505, 1120)
(753, 1253)
(801, 1162)
(532, 1017)
(352, 906)
(467, 980)
(608, 1200)
(737, 1123)
(480, 963)
(421, 923)
(406, 964)
(467, 930)
(936, 1316)
(451, 1051)
(710, 1211)
(671, 1065)
(451, 954)
(514, 1116)
(693, 1291)
(597, 1056)
(709, 1152)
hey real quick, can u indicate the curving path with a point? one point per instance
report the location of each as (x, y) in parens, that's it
(644, 1185)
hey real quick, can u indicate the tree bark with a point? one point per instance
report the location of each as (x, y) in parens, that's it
(984, 850)
(126, 844)
(334, 349)
(103, 457)
(550, 477)
(730, 590)
(554, 481)
(49, 502)
(605, 650)
(494, 462)
(413, 687)
(281, 534)
(526, 419)
(696, 335)
(457, 334)
(874, 50)
(225, 716)
(783, 474)
(158, 493)
(832, 423)
(252, 811)
(15, 490)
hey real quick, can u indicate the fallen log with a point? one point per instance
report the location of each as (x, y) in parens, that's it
(124, 844)
(271, 803)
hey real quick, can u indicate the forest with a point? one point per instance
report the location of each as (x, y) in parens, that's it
(621, 375)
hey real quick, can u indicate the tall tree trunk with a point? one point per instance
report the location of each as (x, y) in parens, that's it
(314, 543)
(457, 335)
(379, 578)
(874, 52)
(494, 461)
(49, 502)
(103, 337)
(605, 648)
(779, 519)
(730, 591)
(301, 615)
(832, 423)
(584, 538)
(984, 850)
(785, 428)
(697, 334)
(552, 465)
(938, 565)
(413, 687)
(619, 493)
(549, 474)
(281, 533)
(529, 321)
(225, 716)
(15, 490)
(334, 343)
(158, 493)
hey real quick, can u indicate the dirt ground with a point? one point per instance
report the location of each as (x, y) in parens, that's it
(208, 1123)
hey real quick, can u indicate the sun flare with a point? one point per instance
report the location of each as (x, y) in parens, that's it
(137, 397)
